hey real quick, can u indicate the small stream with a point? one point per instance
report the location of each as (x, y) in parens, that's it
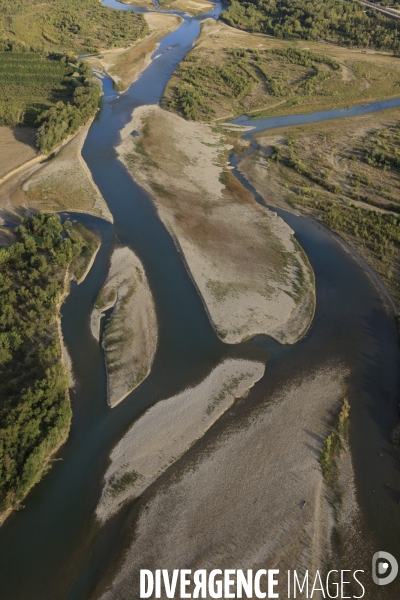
(53, 549)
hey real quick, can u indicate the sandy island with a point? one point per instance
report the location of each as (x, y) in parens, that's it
(130, 338)
(252, 275)
(124, 65)
(251, 497)
(169, 428)
(191, 7)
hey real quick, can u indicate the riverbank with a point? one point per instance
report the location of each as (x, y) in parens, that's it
(250, 272)
(190, 7)
(251, 496)
(64, 183)
(130, 336)
(124, 65)
(168, 429)
(230, 72)
(330, 172)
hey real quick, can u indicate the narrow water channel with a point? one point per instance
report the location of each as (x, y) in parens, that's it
(53, 549)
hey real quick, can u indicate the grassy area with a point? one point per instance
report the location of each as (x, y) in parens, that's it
(231, 72)
(35, 411)
(338, 21)
(56, 93)
(82, 26)
(347, 174)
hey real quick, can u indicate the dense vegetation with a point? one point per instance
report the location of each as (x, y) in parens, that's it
(340, 21)
(35, 411)
(82, 26)
(200, 86)
(56, 92)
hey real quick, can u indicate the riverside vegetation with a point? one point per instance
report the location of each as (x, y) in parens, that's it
(331, 20)
(230, 72)
(56, 93)
(81, 26)
(35, 411)
(349, 177)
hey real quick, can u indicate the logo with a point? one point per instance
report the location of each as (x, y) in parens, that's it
(384, 568)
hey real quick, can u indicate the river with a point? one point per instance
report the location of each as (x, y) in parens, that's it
(53, 549)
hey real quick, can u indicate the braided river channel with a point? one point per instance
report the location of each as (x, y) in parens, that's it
(53, 549)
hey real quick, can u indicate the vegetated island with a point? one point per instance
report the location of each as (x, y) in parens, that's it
(347, 176)
(34, 404)
(250, 271)
(168, 429)
(230, 72)
(130, 337)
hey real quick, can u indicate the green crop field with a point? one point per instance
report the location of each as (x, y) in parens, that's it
(31, 83)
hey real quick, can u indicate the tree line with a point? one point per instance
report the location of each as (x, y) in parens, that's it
(342, 21)
(35, 411)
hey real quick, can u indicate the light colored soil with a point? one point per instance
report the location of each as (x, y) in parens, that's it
(130, 338)
(252, 277)
(6, 237)
(65, 183)
(168, 429)
(17, 146)
(253, 498)
(193, 7)
(125, 65)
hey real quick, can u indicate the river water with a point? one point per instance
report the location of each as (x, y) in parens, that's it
(53, 548)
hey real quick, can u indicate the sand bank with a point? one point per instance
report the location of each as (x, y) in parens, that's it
(252, 497)
(130, 338)
(65, 183)
(252, 276)
(168, 429)
(124, 65)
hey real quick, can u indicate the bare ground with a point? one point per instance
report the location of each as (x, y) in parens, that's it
(65, 183)
(17, 146)
(168, 429)
(253, 497)
(124, 65)
(130, 338)
(251, 275)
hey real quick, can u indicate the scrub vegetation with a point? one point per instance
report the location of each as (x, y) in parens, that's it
(230, 72)
(335, 442)
(56, 93)
(35, 411)
(347, 175)
(81, 26)
(338, 21)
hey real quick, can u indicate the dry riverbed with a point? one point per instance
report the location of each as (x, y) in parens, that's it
(130, 337)
(250, 497)
(124, 65)
(168, 429)
(251, 273)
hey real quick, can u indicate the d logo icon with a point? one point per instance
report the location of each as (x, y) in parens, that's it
(382, 567)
